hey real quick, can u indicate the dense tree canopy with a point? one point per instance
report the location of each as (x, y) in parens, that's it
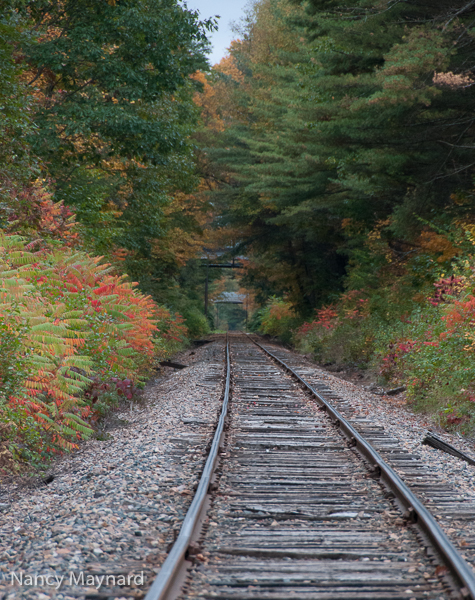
(354, 118)
(96, 170)
(332, 150)
(15, 122)
(114, 109)
(97, 106)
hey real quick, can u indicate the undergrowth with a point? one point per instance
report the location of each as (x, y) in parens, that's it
(411, 329)
(75, 338)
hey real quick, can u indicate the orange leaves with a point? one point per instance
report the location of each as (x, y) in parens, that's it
(460, 314)
(277, 317)
(105, 289)
(35, 212)
(76, 319)
(350, 307)
(74, 282)
(120, 254)
(435, 243)
(326, 317)
(216, 100)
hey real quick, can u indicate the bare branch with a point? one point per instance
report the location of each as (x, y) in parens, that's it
(467, 7)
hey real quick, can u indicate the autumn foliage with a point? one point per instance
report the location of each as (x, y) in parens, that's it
(429, 348)
(32, 211)
(67, 320)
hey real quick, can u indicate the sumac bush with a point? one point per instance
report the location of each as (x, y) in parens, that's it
(67, 321)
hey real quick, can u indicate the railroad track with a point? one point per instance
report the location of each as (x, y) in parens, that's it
(295, 503)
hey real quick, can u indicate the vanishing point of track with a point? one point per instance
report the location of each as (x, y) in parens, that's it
(295, 503)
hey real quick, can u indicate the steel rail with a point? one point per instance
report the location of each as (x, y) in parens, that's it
(166, 580)
(416, 511)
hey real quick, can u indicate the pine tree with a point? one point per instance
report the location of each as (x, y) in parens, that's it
(357, 117)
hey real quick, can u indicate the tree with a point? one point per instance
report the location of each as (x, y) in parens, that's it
(17, 165)
(396, 105)
(265, 158)
(358, 118)
(114, 111)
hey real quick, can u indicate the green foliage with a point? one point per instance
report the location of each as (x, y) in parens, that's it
(96, 111)
(278, 319)
(16, 164)
(12, 366)
(365, 124)
(27, 439)
(65, 318)
(421, 337)
(196, 323)
(346, 170)
(107, 78)
(113, 113)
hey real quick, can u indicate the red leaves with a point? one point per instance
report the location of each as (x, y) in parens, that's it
(326, 317)
(33, 207)
(454, 419)
(446, 289)
(105, 289)
(397, 351)
(351, 307)
(76, 323)
(73, 282)
(125, 387)
(169, 326)
(462, 314)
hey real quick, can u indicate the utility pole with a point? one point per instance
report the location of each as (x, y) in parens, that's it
(206, 292)
(247, 308)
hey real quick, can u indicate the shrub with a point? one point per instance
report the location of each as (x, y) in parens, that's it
(433, 353)
(31, 212)
(66, 319)
(278, 318)
(196, 323)
(429, 348)
(171, 333)
(340, 333)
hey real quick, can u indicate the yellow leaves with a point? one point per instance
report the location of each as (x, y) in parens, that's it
(435, 243)
(467, 227)
(72, 316)
(228, 66)
(374, 237)
(120, 254)
(217, 99)
(345, 223)
(460, 199)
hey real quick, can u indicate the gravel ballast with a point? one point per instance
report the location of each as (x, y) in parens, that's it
(103, 525)
(398, 421)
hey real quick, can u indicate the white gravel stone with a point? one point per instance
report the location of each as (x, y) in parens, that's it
(115, 506)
